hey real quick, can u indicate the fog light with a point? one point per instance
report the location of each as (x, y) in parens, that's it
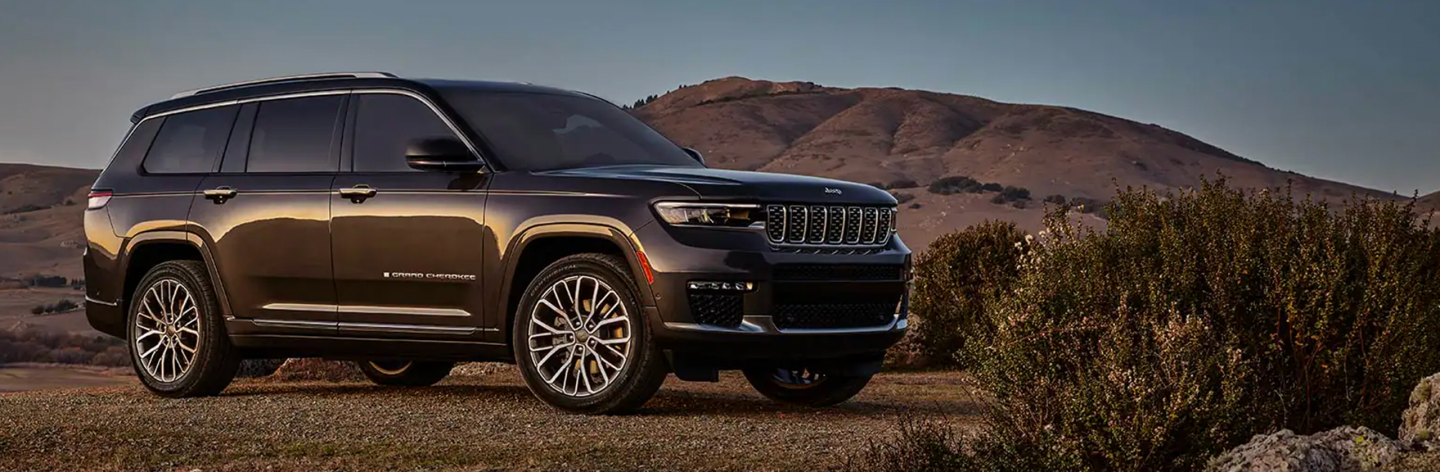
(721, 286)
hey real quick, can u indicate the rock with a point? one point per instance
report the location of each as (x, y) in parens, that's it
(1420, 422)
(318, 370)
(480, 368)
(1343, 449)
(258, 367)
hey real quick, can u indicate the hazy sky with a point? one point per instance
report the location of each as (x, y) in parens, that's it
(1341, 89)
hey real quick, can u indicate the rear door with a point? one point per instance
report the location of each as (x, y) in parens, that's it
(408, 244)
(267, 212)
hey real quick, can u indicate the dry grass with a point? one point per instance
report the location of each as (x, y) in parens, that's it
(487, 421)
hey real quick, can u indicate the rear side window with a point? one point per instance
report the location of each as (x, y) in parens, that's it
(295, 135)
(190, 142)
(386, 124)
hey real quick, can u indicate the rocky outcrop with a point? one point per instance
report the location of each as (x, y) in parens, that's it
(250, 368)
(1420, 423)
(318, 370)
(1343, 449)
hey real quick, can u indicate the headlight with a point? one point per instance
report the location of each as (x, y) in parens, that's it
(731, 215)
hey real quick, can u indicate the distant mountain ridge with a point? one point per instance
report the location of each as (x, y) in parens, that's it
(887, 134)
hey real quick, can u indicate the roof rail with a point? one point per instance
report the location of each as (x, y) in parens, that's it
(289, 78)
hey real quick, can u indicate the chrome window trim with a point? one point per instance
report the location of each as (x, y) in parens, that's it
(434, 109)
(428, 103)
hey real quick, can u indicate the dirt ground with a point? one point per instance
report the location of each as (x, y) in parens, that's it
(485, 420)
(29, 377)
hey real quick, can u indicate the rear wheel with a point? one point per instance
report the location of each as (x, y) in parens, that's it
(177, 339)
(803, 387)
(580, 338)
(405, 373)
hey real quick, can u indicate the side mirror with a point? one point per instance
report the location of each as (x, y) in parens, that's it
(695, 155)
(441, 155)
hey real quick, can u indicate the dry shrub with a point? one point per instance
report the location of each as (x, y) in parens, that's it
(953, 278)
(1198, 319)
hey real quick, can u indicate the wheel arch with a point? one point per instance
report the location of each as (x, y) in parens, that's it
(146, 250)
(537, 247)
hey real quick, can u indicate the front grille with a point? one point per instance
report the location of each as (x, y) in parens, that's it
(812, 272)
(717, 309)
(833, 315)
(824, 226)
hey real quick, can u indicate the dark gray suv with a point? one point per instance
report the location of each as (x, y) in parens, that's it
(409, 224)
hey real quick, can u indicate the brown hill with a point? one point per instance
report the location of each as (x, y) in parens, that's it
(1428, 204)
(40, 227)
(882, 135)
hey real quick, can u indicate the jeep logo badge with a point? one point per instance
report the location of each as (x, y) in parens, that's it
(833, 191)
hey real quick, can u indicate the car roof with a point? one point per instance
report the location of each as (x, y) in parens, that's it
(334, 81)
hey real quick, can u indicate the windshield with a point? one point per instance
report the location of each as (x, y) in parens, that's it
(537, 132)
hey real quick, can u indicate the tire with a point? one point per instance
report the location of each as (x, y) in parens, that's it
(159, 348)
(615, 349)
(405, 373)
(803, 387)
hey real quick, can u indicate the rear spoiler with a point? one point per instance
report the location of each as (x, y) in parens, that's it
(139, 115)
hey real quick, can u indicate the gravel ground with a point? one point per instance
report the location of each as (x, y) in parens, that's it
(484, 420)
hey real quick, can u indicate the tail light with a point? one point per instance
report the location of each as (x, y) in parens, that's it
(98, 199)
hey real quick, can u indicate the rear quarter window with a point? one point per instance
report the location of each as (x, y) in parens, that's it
(190, 142)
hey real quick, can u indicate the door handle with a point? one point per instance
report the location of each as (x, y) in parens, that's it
(358, 193)
(220, 194)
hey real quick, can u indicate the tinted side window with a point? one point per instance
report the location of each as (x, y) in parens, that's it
(190, 142)
(132, 151)
(295, 135)
(384, 127)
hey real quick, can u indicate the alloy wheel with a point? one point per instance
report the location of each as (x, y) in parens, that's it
(579, 336)
(167, 330)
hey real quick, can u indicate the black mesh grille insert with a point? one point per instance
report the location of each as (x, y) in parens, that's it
(795, 224)
(834, 315)
(775, 222)
(717, 309)
(785, 272)
(834, 225)
(867, 226)
(816, 232)
(852, 226)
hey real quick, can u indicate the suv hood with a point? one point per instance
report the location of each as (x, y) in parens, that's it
(764, 187)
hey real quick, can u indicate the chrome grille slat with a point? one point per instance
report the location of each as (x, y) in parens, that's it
(828, 227)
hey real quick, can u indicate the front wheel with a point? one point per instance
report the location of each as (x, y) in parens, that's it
(580, 338)
(802, 387)
(405, 373)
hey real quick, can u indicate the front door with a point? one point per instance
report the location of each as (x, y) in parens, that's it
(267, 213)
(408, 244)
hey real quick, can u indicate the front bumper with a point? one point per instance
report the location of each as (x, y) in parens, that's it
(766, 333)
